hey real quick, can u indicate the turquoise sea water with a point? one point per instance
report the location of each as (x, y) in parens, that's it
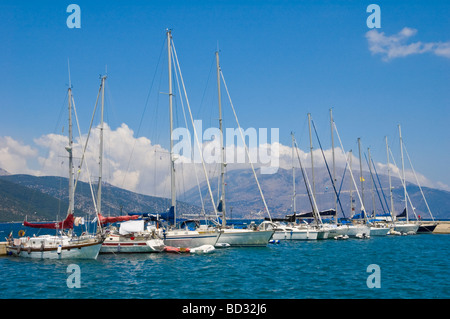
(416, 266)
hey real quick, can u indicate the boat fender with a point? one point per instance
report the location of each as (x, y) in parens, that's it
(59, 249)
(42, 246)
(29, 250)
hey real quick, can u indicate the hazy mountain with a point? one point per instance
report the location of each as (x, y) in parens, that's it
(243, 197)
(46, 198)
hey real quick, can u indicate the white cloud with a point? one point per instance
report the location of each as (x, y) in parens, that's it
(396, 46)
(136, 164)
(14, 156)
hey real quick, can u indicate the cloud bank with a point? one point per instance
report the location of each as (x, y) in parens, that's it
(136, 164)
(398, 46)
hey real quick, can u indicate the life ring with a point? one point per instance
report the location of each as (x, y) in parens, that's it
(21, 233)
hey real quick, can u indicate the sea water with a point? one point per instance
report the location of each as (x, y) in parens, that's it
(408, 267)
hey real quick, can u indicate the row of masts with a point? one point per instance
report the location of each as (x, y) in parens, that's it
(69, 148)
(221, 200)
(349, 160)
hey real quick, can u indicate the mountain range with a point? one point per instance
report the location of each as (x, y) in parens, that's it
(243, 198)
(46, 198)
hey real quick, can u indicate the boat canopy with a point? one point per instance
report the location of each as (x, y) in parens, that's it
(131, 226)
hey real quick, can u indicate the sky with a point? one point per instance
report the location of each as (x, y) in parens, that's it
(281, 60)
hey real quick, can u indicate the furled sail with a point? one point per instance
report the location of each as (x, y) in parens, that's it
(108, 220)
(65, 224)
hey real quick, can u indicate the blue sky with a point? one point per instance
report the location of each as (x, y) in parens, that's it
(281, 60)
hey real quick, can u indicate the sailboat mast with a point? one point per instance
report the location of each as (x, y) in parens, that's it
(222, 148)
(334, 162)
(403, 170)
(100, 164)
(373, 182)
(361, 178)
(390, 182)
(69, 150)
(293, 177)
(172, 162)
(312, 160)
(352, 208)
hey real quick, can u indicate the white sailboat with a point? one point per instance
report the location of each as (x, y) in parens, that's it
(173, 236)
(376, 228)
(335, 230)
(64, 244)
(400, 226)
(255, 235)
(358, 228)
(132, 236)
(290, 230)
(126, 239)
(321, 228)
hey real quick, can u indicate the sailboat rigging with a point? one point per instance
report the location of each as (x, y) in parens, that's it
(63, 245)
(254, 235)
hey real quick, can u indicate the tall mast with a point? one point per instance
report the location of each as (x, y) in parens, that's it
(69, 150)
(403, 170)
(334, 163)
(361, 178)
(293, 177)
(373, 182)
(100, 169)
(390, 182)
(312, 160)
(222, 148)
(172, 162)
(352, 209)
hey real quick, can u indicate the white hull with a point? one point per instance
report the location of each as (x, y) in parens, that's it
(55, 247)
(190, 239)
(322, 233)
(295, 234)
(357, 230)
(379, 231)
(406, 228)
(245, 237)
(122, 244)
(334, 230)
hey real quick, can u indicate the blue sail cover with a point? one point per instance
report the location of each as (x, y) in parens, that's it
(358, 216)
(168, 216)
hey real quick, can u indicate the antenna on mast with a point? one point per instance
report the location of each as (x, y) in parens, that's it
(68, 68)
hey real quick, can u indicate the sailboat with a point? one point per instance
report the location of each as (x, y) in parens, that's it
(173, 236)
(64, 244)
(318, 225)
(376, 228)
(401, 226)
(335, 230)
(359, 227)
(131, 237)
(288, 229)
(255, 235)
(424, 226)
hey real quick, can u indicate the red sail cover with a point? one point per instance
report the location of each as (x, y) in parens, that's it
(108, 220)
(67, 223)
